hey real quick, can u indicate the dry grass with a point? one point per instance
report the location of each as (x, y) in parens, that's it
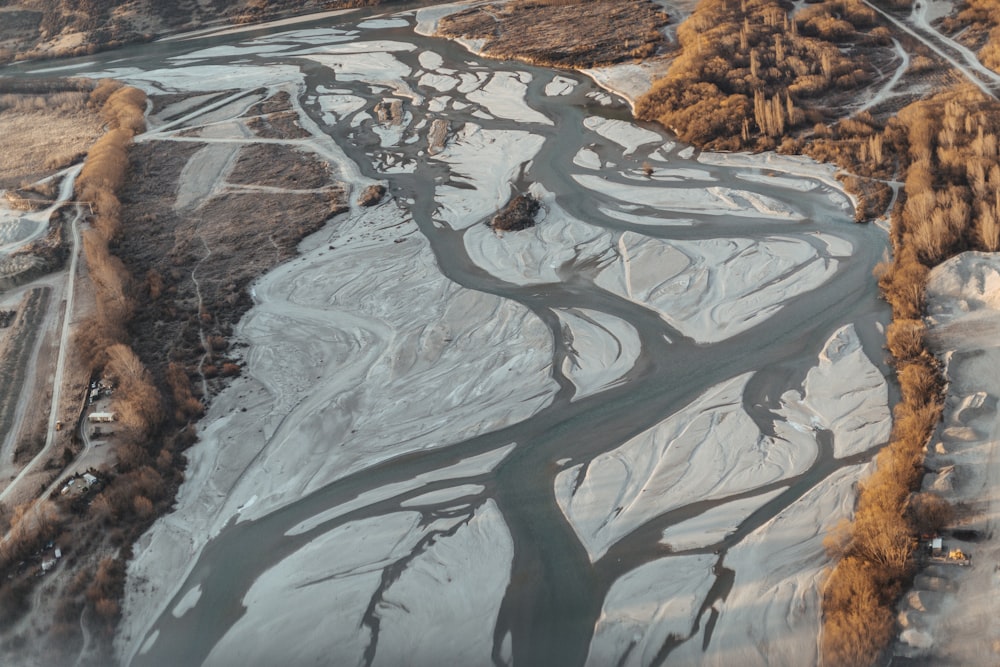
(36, 139)
(279, 166)
(563, 33)
(905, 339)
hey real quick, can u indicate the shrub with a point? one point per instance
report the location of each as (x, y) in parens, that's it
(920, 385)
(137, 401)
(905, 339)
(518, 214)
(902, 282)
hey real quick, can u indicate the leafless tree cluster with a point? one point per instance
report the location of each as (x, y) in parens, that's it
(104, 171)
(137, 400)
(31, 526)
(746, 67)
(562, 33)
(102, 177)
(104, 591)
(742, 80)
(979, 22)
(187, 406)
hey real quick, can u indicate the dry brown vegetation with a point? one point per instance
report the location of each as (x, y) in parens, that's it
(518, 214)
(99, 182)
(276, 165)
(371, 195)
(861, 146)
(103, 340)
(242, 232)
(255, 11)
(151, 330)
(745, 78)
(137, 401)
(275, 118)
(282, 125)
(56, 28)
(747, 71)
(562, 33)
(131, 292)
(43, 128)
(155, 332)
(31, 526)
(977, 24)
(949, 150)
(130, 495)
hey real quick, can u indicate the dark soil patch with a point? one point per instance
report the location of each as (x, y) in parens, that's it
(242, 235)
(281, 125)
(584, 33)
(280, 101)
(281, 167)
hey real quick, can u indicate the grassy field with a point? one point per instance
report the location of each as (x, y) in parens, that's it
(40, 132)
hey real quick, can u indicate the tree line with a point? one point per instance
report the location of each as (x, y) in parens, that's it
(139, 485)
(747, 70)
(103, 342)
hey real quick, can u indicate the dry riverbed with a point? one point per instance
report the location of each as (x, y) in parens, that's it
(623, 428)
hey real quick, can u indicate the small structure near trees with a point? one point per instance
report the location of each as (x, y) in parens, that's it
(937, 546)
(939, 552)
(80, 484)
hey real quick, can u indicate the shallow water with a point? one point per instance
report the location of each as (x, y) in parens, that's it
(493, 568)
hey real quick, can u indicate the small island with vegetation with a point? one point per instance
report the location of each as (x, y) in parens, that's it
(518, 214)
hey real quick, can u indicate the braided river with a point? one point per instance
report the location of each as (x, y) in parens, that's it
(615, 438)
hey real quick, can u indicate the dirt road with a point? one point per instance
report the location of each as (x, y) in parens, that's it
(13, 490)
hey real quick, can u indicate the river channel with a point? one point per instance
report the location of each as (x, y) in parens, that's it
(614, 438)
